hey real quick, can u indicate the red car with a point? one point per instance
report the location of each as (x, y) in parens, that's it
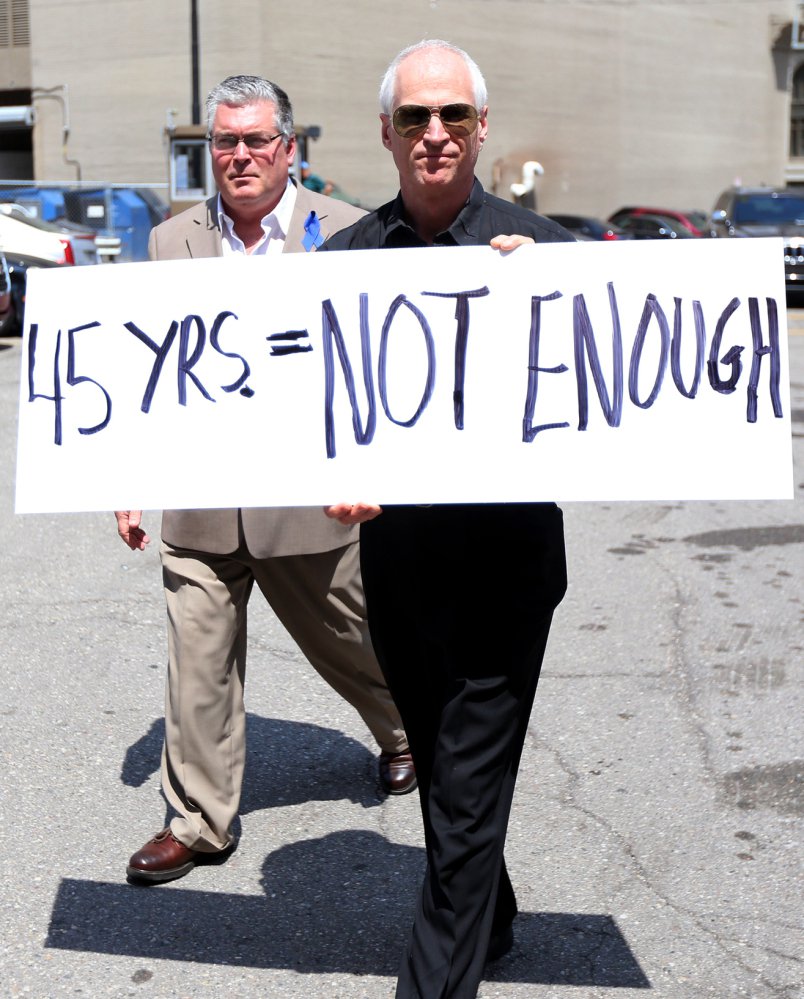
(697, 222)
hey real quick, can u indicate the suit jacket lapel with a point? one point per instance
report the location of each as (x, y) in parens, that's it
(204, 236)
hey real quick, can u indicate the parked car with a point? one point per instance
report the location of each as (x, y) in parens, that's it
(766, 211)
(697, 222)
(18, 266)
(66, 207)
(20, 238)
(6, 302)
(654, 227)
(584, 227)
(78, 241)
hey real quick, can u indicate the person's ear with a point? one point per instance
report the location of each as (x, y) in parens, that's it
(386, 129)
(482, 125)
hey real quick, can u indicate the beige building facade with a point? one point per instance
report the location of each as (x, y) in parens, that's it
(619, 101)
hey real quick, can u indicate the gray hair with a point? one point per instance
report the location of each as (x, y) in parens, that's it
(238, 91)
(389, 80)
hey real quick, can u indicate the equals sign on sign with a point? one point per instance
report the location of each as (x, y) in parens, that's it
(280, 346)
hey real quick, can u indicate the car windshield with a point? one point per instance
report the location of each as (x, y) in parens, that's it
(666, 222)
(699, 219)
(769, 209)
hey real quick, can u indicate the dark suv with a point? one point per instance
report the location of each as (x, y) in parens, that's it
(766, 211)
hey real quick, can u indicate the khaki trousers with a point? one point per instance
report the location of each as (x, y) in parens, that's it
(319, 599)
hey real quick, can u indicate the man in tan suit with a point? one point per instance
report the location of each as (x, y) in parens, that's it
(306, 565)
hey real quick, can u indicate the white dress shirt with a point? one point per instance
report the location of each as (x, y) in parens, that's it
(274, 227)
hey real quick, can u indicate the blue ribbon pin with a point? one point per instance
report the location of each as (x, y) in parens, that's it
(312, 233)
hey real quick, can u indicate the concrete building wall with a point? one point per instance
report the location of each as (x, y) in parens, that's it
(621, 101)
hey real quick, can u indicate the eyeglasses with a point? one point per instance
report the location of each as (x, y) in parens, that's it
(227, 142)
(411, 120)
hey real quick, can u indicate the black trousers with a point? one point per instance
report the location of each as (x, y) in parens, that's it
(460, 600)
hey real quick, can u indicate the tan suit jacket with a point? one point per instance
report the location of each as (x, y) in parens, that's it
(267, 531)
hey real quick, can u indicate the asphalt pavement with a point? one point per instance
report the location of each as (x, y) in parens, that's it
(654, 841)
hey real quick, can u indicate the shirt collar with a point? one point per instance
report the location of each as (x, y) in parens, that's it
(275, 224)
(463, 231)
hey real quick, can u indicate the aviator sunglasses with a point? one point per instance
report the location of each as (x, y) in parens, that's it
(410, 120)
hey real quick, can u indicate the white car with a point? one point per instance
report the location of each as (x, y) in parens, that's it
(20, 237)
(78, 240)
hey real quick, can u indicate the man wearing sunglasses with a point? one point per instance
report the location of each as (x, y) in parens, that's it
(306, 566)
(460, 597)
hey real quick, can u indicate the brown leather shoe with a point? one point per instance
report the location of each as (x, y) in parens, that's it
(163, 858)
(397, 773)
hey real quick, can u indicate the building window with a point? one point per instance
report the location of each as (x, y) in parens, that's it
(797, 114)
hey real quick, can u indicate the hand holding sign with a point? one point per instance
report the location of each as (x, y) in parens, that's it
(353, 513)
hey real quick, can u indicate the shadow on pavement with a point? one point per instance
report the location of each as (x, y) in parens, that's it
(339, 904)
(287, 763)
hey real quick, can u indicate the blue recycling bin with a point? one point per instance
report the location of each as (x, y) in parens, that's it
(115, 212)
(46, 202)
(111, 211)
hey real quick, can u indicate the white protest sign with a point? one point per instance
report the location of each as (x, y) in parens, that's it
(632, 370)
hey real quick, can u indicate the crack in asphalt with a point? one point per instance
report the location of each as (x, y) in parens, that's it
(569, 798)
(683, 693)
